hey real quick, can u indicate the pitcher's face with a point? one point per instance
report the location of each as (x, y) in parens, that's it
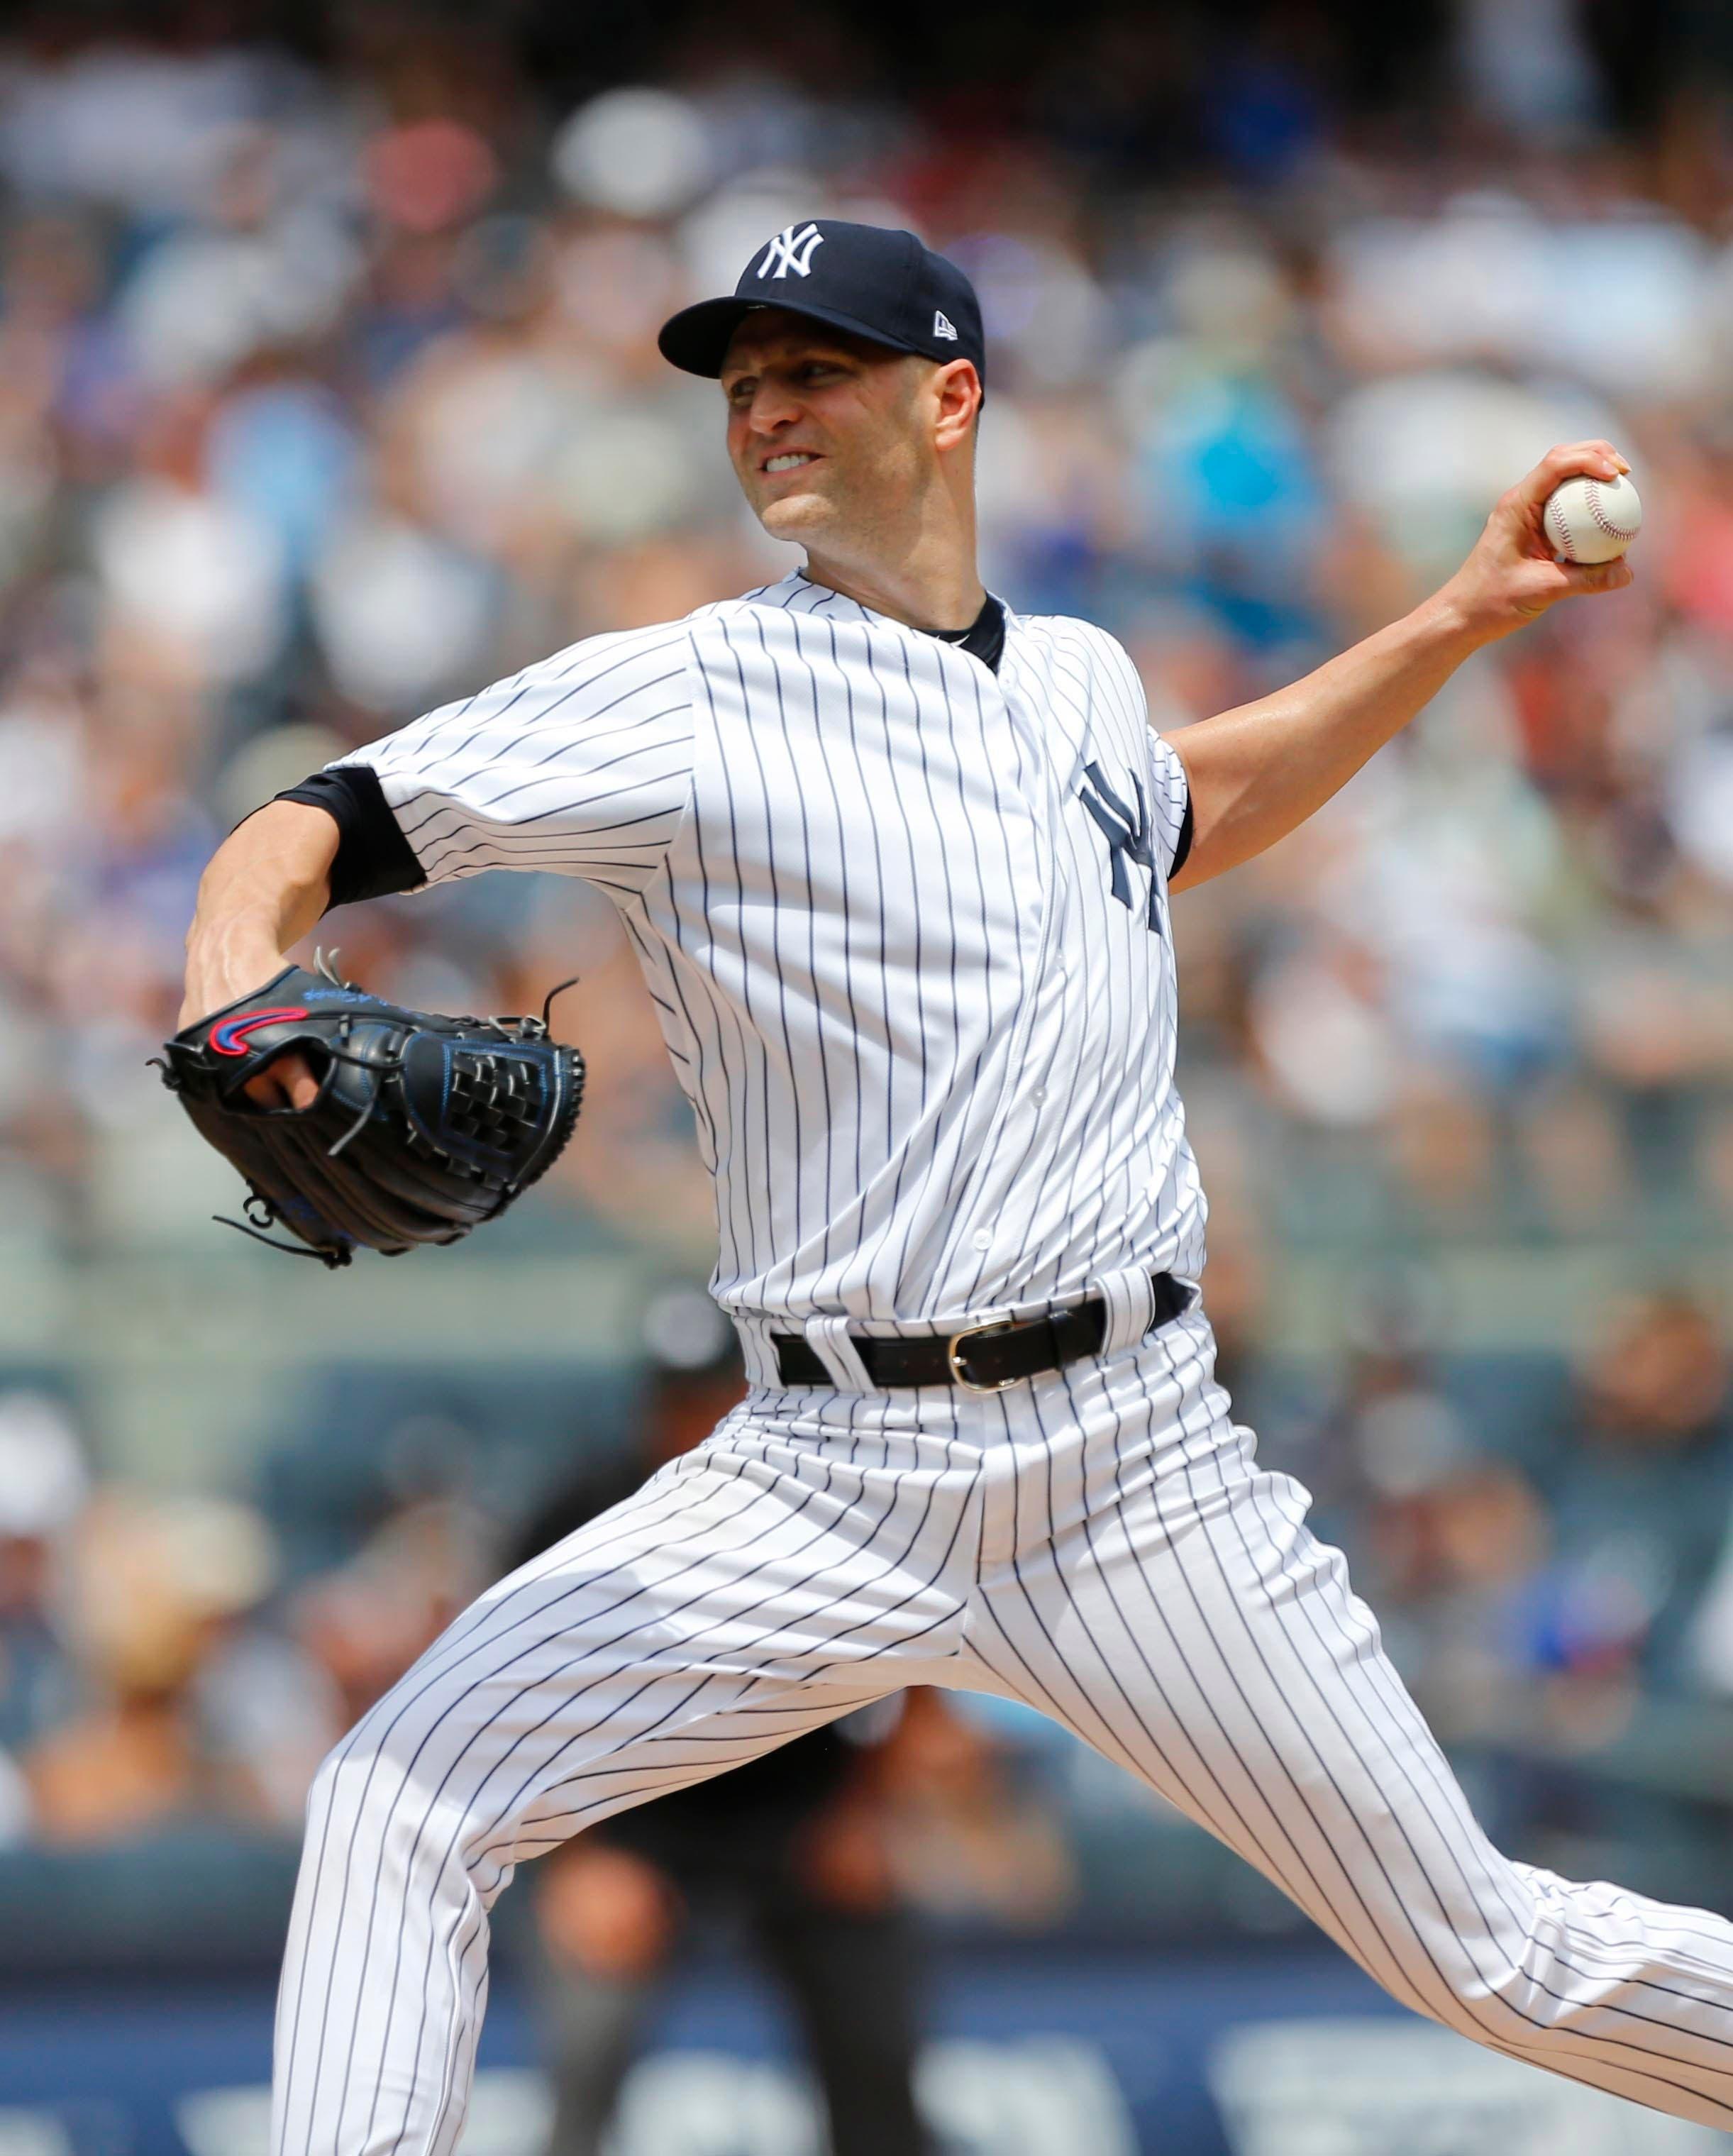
(827, 431)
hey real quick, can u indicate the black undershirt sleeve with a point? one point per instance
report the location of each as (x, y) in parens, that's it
(1182, 845)
(373, 858)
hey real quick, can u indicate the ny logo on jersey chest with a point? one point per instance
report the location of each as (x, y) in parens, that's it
(791, 251)
(1128, 835)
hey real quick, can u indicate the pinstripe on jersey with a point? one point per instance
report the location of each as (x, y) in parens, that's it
(884, 901)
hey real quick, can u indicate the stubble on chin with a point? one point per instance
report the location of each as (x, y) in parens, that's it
(795, 517)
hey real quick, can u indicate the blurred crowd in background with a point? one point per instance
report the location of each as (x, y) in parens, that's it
(328, 391)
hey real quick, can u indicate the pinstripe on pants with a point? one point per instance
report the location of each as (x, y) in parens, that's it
(1100, 1543)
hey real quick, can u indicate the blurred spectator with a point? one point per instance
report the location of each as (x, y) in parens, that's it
(1443, 1535)
(1640, 1503)
(968, 1833)
(42, 1489)
(153, 1589)
(362, 1623)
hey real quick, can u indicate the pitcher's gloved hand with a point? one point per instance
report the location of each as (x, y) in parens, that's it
(423, 1126)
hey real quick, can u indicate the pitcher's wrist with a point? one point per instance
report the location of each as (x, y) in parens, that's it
(1452, 620)
(220, 969)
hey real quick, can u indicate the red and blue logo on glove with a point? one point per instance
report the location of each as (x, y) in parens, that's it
(229, 1038)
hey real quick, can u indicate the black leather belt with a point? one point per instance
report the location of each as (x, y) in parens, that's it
(981, 1358)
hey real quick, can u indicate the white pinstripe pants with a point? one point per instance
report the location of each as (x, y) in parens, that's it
(1100, 1543)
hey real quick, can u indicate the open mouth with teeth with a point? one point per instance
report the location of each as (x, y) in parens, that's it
(789, 460)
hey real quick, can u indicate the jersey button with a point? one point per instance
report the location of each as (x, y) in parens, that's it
(983, 1239)
(1040, 1096)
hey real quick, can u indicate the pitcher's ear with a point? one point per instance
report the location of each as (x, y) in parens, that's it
(959, 392)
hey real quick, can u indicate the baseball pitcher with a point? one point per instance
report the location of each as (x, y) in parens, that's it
(897, 864)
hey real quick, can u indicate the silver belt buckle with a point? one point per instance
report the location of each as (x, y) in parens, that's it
(975, 1332)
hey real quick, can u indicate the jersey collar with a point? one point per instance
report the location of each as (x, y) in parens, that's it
(1063, 718)
(799, 594)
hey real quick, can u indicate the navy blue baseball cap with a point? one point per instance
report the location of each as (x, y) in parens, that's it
(867, 279)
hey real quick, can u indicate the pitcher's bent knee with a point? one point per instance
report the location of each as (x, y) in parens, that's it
(387, 1797)
(1486, 1987)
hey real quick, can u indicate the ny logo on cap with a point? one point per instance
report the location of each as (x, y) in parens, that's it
(791, 251)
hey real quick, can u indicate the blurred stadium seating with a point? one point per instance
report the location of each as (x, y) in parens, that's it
(328, 388)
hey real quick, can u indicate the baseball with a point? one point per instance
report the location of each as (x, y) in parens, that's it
(1592, 520)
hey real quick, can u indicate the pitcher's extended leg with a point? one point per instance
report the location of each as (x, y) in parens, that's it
(728, 1606)
(1183, 1621)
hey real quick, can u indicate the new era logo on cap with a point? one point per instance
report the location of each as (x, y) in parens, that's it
(871, 280)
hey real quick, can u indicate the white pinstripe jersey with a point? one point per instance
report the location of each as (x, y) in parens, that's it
(904, 919)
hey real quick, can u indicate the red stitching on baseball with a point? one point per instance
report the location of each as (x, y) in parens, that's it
(1555, 519)
(1591, 487)
(1555, 515)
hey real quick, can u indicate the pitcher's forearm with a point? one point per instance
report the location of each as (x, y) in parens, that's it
(1257, 772)
(266, 886)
